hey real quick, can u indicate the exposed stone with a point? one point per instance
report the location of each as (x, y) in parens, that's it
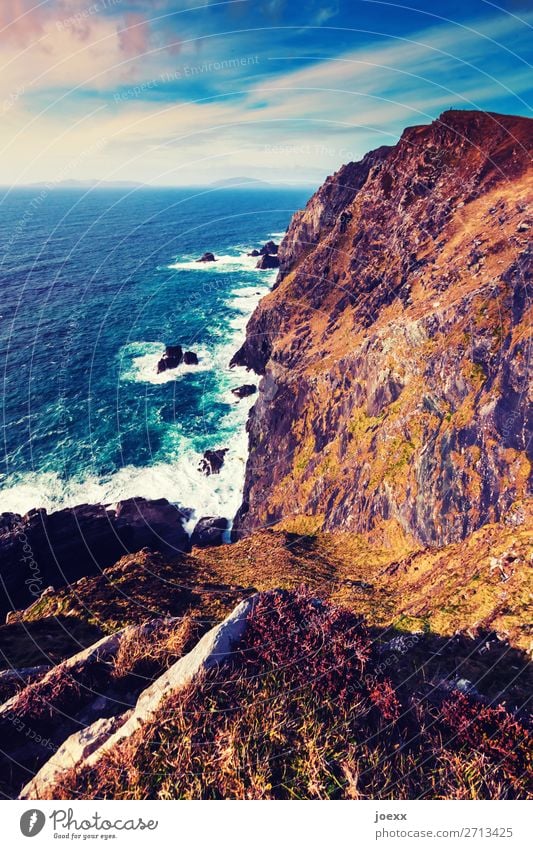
(207, 257)
(245, 390)
(268, 261)
(190, 358)
(209, 531)
(212, 461)
(376, 319)
(73, 752)
(172, 358)
(86, 747)
(157, 524)
(41, 550)
(269, 248)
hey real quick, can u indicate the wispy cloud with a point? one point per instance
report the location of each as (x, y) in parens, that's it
(134, 37)
(193, 96)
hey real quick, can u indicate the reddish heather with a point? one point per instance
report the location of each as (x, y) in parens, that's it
(302, 710)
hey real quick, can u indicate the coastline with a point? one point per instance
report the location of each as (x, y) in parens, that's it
(44, 549)
(196, 494)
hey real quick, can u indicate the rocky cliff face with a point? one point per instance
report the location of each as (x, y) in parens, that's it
(40, 550)
(395, 346)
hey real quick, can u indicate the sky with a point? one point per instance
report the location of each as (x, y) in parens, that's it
(188, 92)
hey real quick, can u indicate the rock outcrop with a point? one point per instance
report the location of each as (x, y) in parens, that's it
(312, 224)
(209, 531)
(156, 524)
(269, 248)
(207, 257)
(172, 358)
(43, 549)
(395, 347)
(245, 390)
(78, 691)
(267, 261)
(86, 747)
(212, 461)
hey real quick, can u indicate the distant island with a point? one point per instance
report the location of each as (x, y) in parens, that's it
(243, 183)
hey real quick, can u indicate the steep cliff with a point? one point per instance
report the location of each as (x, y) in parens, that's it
(395, 346)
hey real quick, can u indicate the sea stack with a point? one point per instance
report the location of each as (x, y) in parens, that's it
(268, 261)
(245, 390)
(172, 358)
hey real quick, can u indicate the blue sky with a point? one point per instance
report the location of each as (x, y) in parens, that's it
(174, 92)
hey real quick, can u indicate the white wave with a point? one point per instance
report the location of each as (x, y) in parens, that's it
(246, 299)
(225, 262)
(139, 359)
(179, 480)
(143, 359)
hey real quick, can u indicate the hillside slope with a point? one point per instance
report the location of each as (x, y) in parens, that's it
(287, 698)
(395, 348)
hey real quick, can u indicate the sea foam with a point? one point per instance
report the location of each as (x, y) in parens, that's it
(225, 262)
(178, 479)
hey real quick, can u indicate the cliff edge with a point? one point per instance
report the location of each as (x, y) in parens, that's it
(394, 348)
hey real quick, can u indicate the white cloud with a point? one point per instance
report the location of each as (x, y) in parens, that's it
(306, 120)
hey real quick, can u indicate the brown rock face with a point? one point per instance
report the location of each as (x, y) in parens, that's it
(395, 348)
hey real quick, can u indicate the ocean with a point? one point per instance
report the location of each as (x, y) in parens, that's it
(93, 286)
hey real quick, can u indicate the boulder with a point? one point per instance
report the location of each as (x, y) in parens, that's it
(156, 524)
(254, 253)
(245, 390)
(209, 531)
(72, 752)
(207, 257)
(190, 358)
(43, 550)
(172, 358)
(269, 248)
(212, 461)
(268, 261)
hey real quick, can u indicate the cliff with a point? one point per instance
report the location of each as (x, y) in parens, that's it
(394, 348)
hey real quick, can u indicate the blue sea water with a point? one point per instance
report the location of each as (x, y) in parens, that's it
(93, 285)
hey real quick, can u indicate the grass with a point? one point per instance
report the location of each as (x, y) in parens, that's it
(143, 655)
(53, 706)
(303, 710)
(443, 590)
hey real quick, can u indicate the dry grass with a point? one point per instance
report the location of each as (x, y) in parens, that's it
(146, 652)
(70, 696)
(303, 710)
(385, 577)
